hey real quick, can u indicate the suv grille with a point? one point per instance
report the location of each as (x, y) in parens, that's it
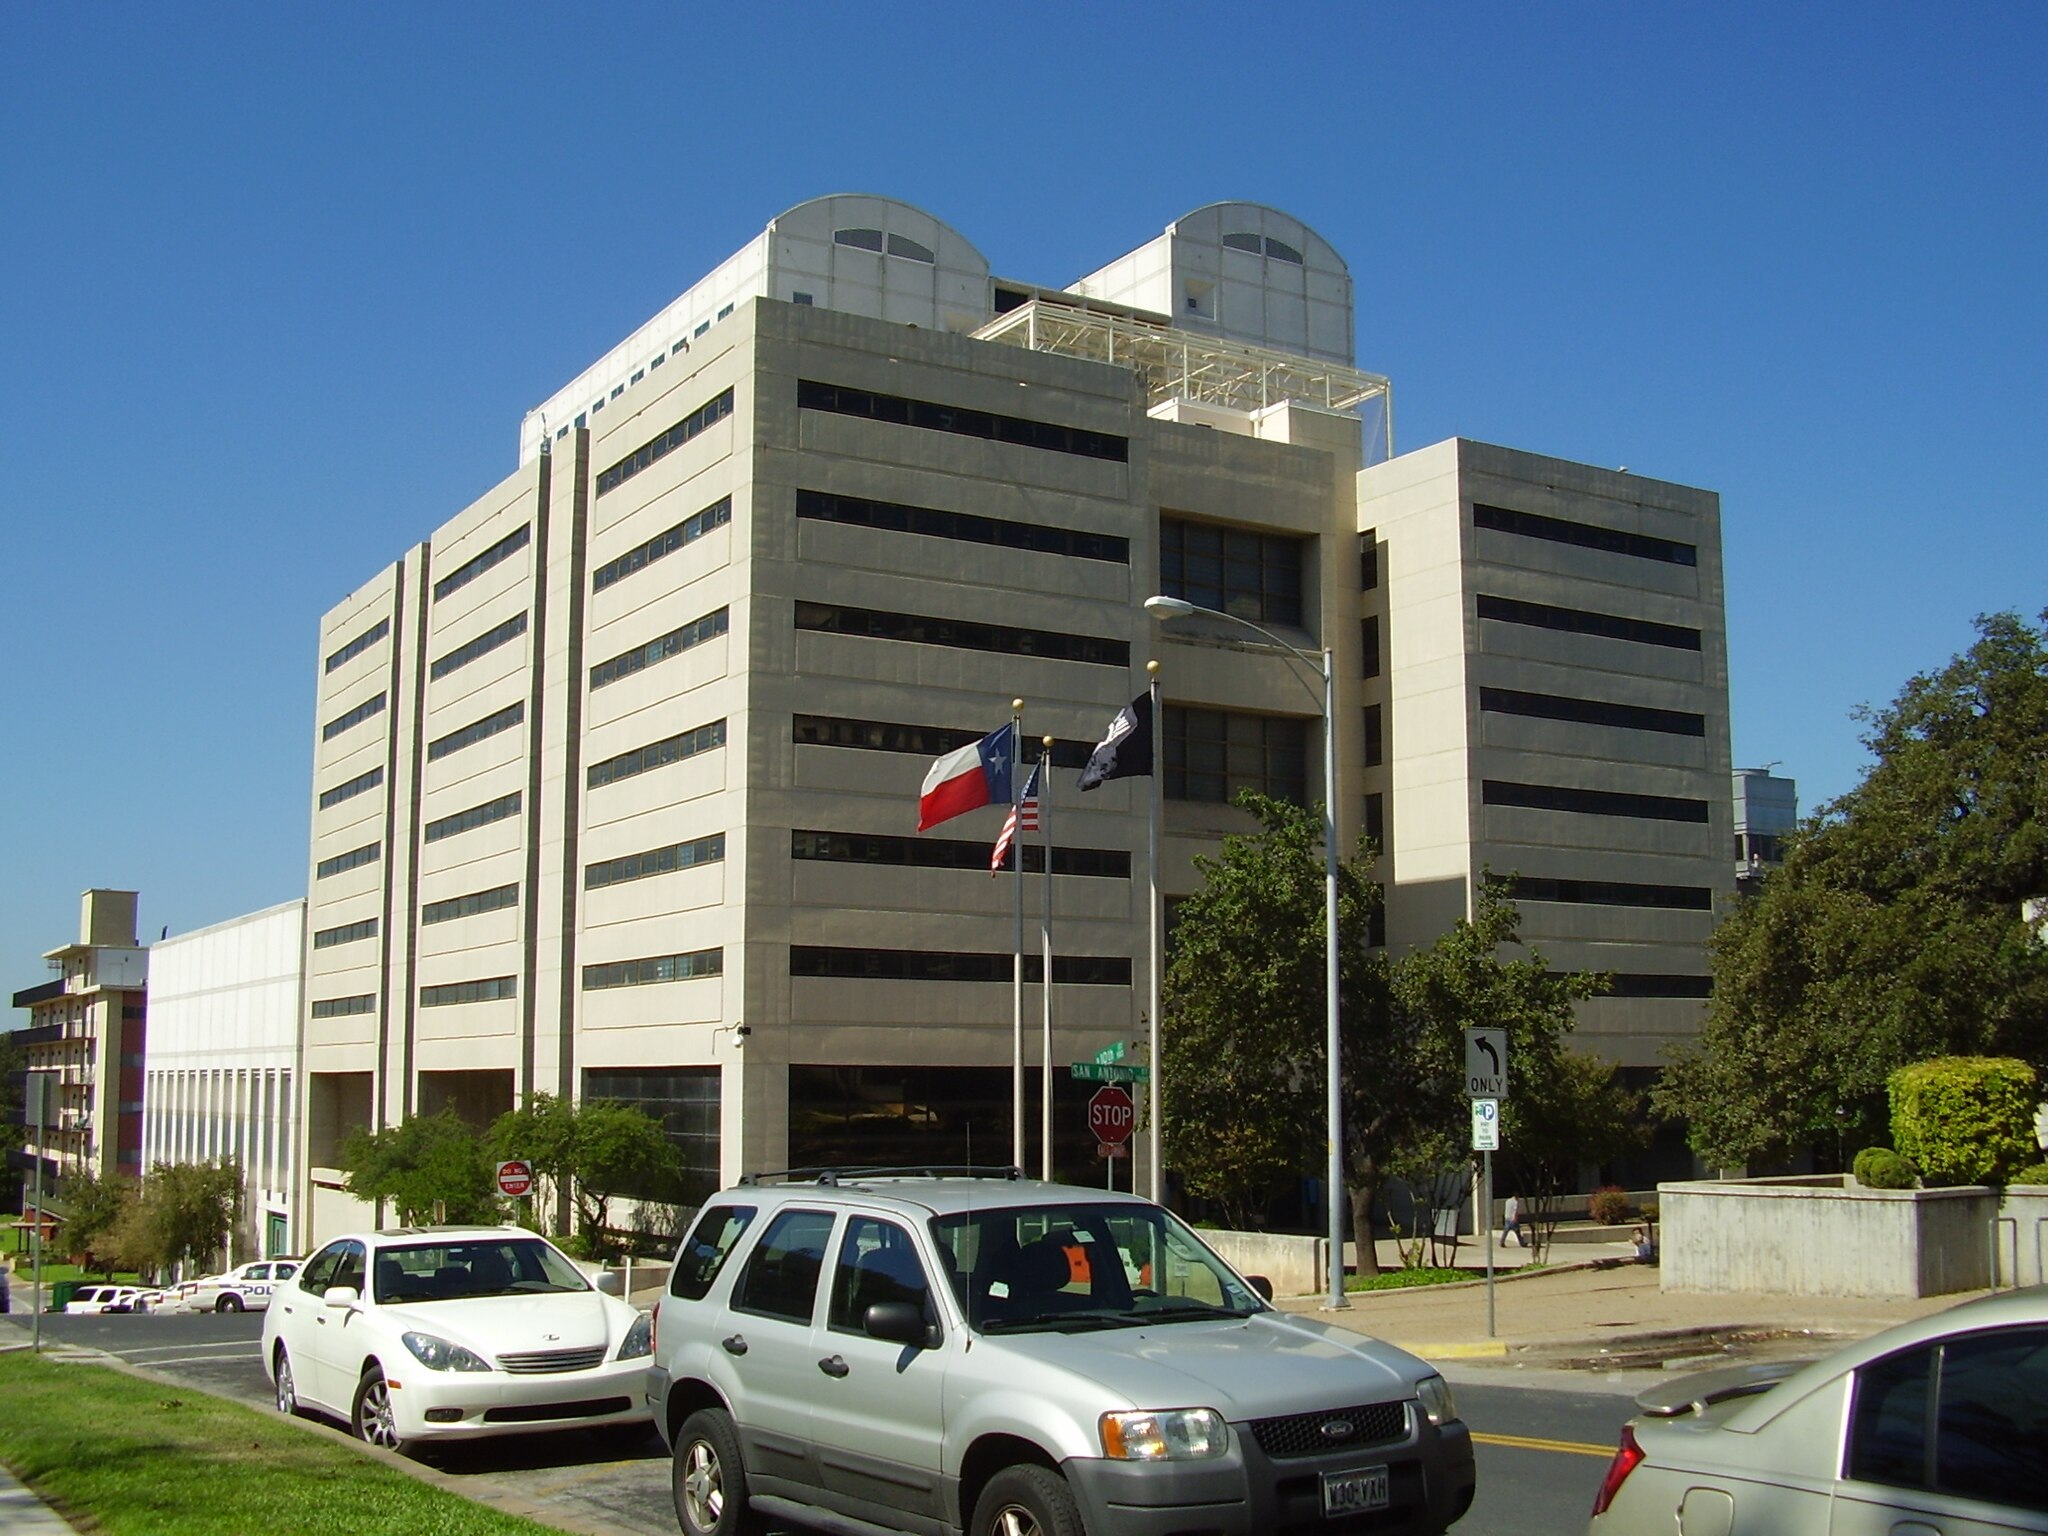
(1311, 1434)
(539, 1361)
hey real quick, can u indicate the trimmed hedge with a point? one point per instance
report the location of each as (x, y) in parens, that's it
(2033, 1173)
(1882, 1168)
(1965, 1119)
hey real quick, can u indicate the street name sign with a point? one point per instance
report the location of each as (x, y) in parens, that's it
(1486, 1063)
(1107, 1072)
(1112, 1052)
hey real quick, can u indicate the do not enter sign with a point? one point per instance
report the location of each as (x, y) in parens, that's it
(515, 1178)
(1111, 1115)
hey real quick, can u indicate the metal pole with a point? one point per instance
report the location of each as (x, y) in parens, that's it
(1017, 957)
(1154, 921)
(40, 1083)
(1334, 1045)
(1045, 1095)
(1486, 1215)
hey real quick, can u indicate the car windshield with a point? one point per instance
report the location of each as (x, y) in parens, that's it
(470, 1267)
(1084, 1266)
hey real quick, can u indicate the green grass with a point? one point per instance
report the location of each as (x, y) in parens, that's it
(24, 1274)
(127, 1456)
(1405, 1279)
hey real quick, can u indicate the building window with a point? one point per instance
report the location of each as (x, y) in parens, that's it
(355, 786)
(859, 239)
(1369, 645)
(356, 716)
(800, 297)
(1280, 250)
(901, 245)
(347, 933)
(1255, 576)
(636, 378)
(1575, 621)
(344, 1007)
(654, 970)
(1211, 754)
(489, 990)
(724, 311)
(688, 531)
(1634, 717)
(655, 861)
(482, 645)
(360, 644)
(1531, 525)
(713, 410)
(962, 634)
(506, 719)
(1636, 984)
(674, 643)
(494, 900)
(914, 740)
(355, 858)
(1592, 802)
(658, 754)
(842, 964)
(476, 816)
(1368, 561)
(498, 553)
(1376, 819)
(966, 527)
(1375, 737)
(934, 417)
(949, 853)
(1604, 893)
(685, 1102)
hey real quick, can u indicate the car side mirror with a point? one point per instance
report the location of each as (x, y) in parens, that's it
(341, 1296)
(1262, 1285)
(610, 1282)
(899, 1322)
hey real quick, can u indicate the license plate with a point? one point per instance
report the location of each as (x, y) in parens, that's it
(1349, 1493)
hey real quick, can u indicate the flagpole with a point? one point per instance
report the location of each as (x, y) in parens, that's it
(1017, 955)
(1154, 924)
(1045, 1094)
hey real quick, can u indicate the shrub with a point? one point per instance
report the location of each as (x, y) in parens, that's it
(1964, 1119)
(2033, 1173)
(1882, 1168)
(1608, 1205)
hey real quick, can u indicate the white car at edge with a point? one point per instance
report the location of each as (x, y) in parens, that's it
(431, 1333)
(245, 1288)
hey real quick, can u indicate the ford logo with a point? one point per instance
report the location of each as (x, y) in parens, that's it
(1336, 1429)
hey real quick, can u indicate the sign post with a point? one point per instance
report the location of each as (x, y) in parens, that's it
(37, 1091)
(1486, 1085)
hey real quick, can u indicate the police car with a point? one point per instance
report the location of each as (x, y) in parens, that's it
(245, 1288)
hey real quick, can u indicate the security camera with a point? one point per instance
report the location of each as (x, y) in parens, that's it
(743, 1030)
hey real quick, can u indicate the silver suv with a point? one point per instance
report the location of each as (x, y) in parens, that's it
(948, 1353)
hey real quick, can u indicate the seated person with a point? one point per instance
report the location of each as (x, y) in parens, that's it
(1645, 1245)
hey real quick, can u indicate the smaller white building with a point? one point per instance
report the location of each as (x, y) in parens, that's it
(224, 1028)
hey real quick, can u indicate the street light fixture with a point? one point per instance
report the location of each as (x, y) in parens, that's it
(1333, 1047)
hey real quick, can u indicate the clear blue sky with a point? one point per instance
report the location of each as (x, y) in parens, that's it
(277, 283)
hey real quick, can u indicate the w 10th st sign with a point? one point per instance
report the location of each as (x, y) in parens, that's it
(1111, 1115)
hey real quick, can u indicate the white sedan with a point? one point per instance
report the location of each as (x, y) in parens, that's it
(422, 1334)
(90, 1300)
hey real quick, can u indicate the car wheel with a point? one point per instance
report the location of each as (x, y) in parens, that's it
(1027, 1501)
(287, 1388)
(373, 1418)
(711, 1480)
(228, 1304)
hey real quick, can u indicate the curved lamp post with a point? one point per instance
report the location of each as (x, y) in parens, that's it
(1179, 608)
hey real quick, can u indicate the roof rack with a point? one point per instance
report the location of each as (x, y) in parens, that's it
(860, 1173)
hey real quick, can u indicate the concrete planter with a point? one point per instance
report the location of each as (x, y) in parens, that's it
(1825, 1235)
(1297, 1266)
(2022, 1235)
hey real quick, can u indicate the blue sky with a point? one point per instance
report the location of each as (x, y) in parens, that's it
(278, 282)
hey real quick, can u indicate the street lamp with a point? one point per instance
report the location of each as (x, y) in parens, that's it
(1333, 1047)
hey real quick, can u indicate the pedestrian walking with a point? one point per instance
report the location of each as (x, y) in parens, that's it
(1511, 1222)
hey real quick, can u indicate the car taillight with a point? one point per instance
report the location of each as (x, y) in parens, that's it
(1626, 1458)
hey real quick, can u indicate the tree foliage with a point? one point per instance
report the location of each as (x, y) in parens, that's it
(181, 1215)
(597, 1151)
(1965, 1119)
(1554, 1122)
(1894, 931)
(92, 1208)
(421, 1163)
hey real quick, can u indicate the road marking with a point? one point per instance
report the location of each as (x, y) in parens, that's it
(244, 1345)
(1528, 1443)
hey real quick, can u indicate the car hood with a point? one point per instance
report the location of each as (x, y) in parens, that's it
(497, 1325)
(1245, 1368)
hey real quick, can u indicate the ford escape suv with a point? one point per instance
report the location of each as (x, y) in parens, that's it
(946, 1353)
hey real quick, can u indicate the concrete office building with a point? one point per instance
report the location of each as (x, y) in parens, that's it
(225, 1005)
(615, 775)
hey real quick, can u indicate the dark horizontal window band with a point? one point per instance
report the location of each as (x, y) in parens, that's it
(355, 858)
(654, 970)
(482, 645)
(344, 1007)
(360, 784)
(655, 861)
(1630, 717)
(934, 417)
(356, 716)
(688, 531)
(475, 816)
(506, 719)
(489, 990)
(347, 933)
(1605, 893)
(715, 409)
(657, 754)
(915, 740)
(950, 853)
(1636, 984)
(1533, 525)
(674, 643)
(962, 634)
(1576, 621)
(839, 964)
(964, 527)
(497, 554)
(1592, 802)
(493, 900)
(360, 644)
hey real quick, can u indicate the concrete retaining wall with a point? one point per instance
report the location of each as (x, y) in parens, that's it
(1297, 1266)
(1812, 1236)
(2023, 1236)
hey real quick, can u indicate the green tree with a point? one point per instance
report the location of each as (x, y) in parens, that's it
(93, 1208)
(182, 1214)
(1555, 1122)
(13, 1062)
(424, 1162)
(597, 1151)
(1895, 929)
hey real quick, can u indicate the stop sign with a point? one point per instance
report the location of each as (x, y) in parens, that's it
(515, 1178)
(1111, 1114)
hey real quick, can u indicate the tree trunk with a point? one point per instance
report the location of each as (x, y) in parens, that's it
(1364, 1189)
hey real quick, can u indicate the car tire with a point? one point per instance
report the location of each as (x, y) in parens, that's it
(1026, 1501)
(287, 1385)
(709, 1479)
(373, 1418)
(228, 1304)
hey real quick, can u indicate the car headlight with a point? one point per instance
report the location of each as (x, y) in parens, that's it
(639, 1338)
(1172, 1434)
(437, 1354)
(1435, 1395)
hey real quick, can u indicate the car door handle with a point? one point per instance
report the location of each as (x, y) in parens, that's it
(736, 1345)
(834, 1365)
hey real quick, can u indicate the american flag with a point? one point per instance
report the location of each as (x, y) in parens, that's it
(1023, 817)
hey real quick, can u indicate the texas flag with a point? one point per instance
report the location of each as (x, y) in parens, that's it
(975, 775)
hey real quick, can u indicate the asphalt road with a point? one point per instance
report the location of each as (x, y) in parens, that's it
(1543, 1438)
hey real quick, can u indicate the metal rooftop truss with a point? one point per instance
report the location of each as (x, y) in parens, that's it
(1177, 364)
